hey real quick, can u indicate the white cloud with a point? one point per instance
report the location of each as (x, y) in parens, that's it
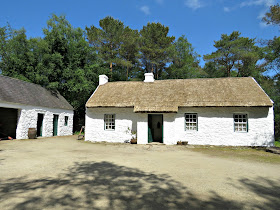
(227, 9)
(159, 1)
(145, 9)
(194, 4)
(266, 3)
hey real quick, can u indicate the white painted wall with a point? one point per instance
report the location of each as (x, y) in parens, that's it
(27, 118)
(126, 121)
(215, 126)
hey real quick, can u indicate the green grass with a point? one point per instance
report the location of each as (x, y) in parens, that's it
(78, 132)
(245, 153)
(277, 143)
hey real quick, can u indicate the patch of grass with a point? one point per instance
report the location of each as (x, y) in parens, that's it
(245, 153)
(78, 132)
(277, 143)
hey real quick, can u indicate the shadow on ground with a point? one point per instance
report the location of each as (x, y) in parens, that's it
(103, 185)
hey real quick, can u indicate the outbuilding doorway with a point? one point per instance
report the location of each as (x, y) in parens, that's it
(55, 123)
(8, 123)
(155, 128)
(40, 124)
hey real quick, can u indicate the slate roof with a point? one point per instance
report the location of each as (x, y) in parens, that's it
(168, 95)
(17, 91)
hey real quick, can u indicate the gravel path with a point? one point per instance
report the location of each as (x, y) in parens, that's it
(64, 173)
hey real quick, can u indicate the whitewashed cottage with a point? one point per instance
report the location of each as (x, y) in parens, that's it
(216, 111)
(25, 105)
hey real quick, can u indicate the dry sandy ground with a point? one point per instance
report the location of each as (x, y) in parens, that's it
(64, 173)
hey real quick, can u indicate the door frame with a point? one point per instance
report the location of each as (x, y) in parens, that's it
(55, 124)
(150, 138)
(40, 131)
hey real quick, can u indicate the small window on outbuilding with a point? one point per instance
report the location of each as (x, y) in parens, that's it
(65, 120)
(191, 122)
(109, 122)
(240, 122)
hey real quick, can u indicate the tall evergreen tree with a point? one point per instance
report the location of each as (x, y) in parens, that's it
(108, 40)
(272, 58)
(237, 55)
(273, 15)
(184, 61)
(129, 50)
(155, 47)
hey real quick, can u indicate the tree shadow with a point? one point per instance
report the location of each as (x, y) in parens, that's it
(104, 185)
(267, 189)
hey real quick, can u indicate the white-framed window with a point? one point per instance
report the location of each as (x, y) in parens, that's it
(240, 122)
(191, 122)
(109, 121)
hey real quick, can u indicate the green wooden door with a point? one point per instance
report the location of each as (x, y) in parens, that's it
(40, 124)
(55, 124)
(150, 136)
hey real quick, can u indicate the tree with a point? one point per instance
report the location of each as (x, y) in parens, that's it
(214, 70)
(273, 16)
(129, 50)
(71, 64)
(272, 58)
(236, 54)
(271, 85)
(185, 61)
(155, 46)
(272, 50)
(60, 61)
(15, 57)
(108, 40)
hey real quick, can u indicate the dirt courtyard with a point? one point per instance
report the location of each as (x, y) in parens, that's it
(64, 173)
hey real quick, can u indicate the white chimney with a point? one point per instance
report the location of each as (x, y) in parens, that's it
(149, 77)
(103, 79)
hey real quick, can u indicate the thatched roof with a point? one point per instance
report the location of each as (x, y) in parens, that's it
(168, 95)
(17, 91)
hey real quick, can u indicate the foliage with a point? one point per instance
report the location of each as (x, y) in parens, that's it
(272, 61)
(273, 16)
(129, 51)
(272, 54)
(107, 40)
(15, 57)
(236, 55)
(155, 46)
(185, 61)
(61, 61)
(272, 87)
(69, 60)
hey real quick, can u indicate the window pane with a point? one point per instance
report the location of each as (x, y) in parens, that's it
(240, 122)
(109, 121)
(191, 122)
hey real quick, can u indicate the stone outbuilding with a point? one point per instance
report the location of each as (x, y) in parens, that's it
(208, 111)
(25, 105)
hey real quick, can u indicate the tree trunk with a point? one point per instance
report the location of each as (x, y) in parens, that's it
(228, 71)
(127, 72)
(111, 68)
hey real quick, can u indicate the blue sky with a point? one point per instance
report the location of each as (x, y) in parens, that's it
(201, 21)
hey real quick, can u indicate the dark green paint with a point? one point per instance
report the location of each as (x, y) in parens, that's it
(55, 124)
